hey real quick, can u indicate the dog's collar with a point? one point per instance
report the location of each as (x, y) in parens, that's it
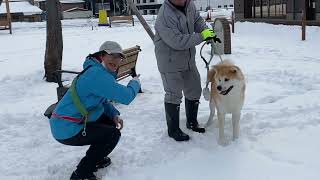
(226, 91)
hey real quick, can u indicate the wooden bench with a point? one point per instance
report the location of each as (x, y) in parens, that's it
(126, 68)
(121, 19)
(4, 24)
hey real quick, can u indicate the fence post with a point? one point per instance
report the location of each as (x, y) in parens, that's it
(232, 21)
(303, 24)
(222, 29)
(8, 16)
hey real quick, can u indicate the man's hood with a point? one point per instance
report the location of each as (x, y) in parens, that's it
(168, 3)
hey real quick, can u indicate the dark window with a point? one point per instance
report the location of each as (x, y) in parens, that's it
(269, 8)
(153, 12)
(219, 6)
(151, 1)
(144, 1)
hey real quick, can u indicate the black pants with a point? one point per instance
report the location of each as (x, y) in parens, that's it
(102, 136)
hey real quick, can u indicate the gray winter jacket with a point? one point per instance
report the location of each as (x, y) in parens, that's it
(176, 36)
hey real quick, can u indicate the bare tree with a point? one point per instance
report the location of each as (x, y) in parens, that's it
(54, 45)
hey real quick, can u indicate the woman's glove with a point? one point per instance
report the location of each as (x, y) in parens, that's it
(206, 94)
(136, 78)
(118, 122)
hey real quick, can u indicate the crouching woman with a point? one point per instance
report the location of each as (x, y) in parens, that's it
(85, 116)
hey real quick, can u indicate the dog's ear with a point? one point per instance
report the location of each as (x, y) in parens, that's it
(234, 69)
(211, 74)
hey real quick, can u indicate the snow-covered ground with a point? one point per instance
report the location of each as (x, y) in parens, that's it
(280, 122)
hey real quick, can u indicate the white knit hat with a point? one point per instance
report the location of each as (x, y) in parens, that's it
(111, 47)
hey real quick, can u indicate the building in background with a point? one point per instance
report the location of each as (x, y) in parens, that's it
(211, 4)
(71, 9)
(96, 5)
(71, 4)
(286, 11)
(148, 6)
(21, 10)
(65, 4)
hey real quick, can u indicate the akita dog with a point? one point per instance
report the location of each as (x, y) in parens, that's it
(227, 96)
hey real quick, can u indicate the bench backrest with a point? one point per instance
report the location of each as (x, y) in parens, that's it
(121, 19)
(4, 23)
(127, 66)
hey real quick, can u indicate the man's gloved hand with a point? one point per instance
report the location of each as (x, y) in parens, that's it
(216, 39)
(206, 94)
(207, 34)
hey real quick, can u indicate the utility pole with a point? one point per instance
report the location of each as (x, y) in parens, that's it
(8, 16)
(303, 24)
(141, 19)
(114, 8)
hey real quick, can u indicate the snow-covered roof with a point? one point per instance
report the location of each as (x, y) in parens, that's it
(75, 9)
(71, 1)
(64, 1)
(21, 7)
(18, 0)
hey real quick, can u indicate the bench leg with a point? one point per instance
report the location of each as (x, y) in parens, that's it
(134, 74)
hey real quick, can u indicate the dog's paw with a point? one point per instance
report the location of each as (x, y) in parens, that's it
(235, 137)
(222, 142)
(209, 123)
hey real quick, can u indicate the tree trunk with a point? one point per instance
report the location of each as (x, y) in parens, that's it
(141, 19)
(128, 8)
(54, 45)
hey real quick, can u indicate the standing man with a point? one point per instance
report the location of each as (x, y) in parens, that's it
(179, 28)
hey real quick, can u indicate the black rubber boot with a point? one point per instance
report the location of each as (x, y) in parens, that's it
(77, 176)
(172, 117)
(103, 163)
(192, 113)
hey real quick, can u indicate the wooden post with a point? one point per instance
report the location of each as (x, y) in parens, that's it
(8, 16)
(232, 21)
(303, 24)
(222, 29)
(141, 19)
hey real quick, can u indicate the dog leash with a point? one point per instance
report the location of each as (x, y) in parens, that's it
(210, 42)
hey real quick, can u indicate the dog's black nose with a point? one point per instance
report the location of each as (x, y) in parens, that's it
(219, 88)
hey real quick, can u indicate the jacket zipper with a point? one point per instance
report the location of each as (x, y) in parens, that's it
(189, 33)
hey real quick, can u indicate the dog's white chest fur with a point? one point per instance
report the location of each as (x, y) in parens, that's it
(230, 103)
